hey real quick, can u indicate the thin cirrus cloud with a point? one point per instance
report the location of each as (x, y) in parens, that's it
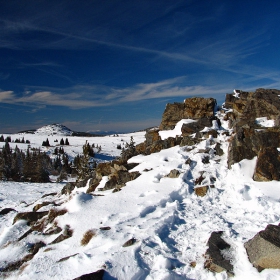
(86, 96)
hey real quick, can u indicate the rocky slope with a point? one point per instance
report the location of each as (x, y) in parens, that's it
(187, 172)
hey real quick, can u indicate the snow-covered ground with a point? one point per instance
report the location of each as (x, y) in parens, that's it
(108, 143)
(169, 223)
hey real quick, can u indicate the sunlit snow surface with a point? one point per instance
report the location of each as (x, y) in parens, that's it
(265, 122)
(170, 223)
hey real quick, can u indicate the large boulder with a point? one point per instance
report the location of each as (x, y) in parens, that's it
(264, 248)
(192, 108)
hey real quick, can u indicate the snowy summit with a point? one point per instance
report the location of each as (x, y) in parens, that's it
(54, 129)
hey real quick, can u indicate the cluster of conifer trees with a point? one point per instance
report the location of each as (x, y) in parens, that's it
(17, 166)
(36, 166)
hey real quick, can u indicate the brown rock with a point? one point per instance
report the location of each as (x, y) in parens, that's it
(172, 114)
(201, 191)
(268, 165)
(215, 260)
(119, 179)
(67, 233)
(247, 142)
(192, 108)
(129, 242)
(198, 107)
(30, 217)
(174, 173)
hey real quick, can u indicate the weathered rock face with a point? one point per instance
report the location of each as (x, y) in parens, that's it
(192, 108)
(250, 139)
(251, 105)
(198, 107)
(172, 114)
(248, 142)
(268, 165)
(264, 248)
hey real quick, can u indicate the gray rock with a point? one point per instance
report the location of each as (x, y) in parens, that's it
(264, 248)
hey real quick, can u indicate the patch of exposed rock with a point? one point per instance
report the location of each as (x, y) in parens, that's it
(97, 275)
(264, 248)
(215, 260)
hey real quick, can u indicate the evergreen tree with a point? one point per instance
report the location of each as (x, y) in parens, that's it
(61, 141)
(2, 138)
(84, 167)
(66, 141)
(129, 150)
(46, 143)
(55, 152)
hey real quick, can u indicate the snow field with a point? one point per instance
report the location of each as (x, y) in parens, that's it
(170, 223)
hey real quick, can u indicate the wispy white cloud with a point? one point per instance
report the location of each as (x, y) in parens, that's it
(99, 96)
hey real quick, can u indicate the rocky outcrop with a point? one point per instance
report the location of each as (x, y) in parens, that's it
(252, 105)
(250, 139)
(192, 108)
(264, 248)
(118, 179)
(154, 143)
(215, 260)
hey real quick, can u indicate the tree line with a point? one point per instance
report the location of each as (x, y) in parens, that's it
(37, 166)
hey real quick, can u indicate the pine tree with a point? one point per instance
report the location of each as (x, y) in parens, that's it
(84, 167)
(61, 141)
(66, 141)
(129, 150)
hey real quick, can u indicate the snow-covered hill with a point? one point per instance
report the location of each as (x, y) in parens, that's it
(166, 222)
(54, 129)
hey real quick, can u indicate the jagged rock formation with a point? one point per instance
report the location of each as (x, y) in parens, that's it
(250, 139)
(192, 108)
(264, 248)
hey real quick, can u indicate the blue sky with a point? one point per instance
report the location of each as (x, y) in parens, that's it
(113, 65)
